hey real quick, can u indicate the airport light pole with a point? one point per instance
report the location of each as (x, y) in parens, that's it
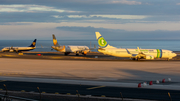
(6, 94)
(6, 89)
(169, 96)
(121, 96)
(78, 95)
(39, 92)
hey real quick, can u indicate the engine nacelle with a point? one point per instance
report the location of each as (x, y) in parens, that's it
(11, 50)
(84, 53)
(149, 57)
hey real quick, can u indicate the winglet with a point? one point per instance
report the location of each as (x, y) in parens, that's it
(138, 49)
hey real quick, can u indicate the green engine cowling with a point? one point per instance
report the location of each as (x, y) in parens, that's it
(149, 57)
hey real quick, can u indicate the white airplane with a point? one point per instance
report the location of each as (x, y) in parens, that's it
(148, 54)
(70, 49)
(20, 49)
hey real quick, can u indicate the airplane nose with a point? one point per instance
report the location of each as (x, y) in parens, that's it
(174, 54)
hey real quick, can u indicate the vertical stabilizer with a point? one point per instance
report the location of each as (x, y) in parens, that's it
(55, 40)
(102, 42)
(33, 44)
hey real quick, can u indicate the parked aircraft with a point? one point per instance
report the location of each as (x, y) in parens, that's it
(137, 54)
(70, 49)
(20, 49)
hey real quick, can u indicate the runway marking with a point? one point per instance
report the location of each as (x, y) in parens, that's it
(96, 87)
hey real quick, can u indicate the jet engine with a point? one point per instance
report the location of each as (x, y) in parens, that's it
(11, 50)
(149, 57)
(84, 52)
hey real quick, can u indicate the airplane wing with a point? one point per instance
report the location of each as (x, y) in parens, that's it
(133, 55)
(139, 55)
(13, 49)
(82, 49)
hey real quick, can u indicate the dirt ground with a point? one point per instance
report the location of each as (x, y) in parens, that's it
(96, 70)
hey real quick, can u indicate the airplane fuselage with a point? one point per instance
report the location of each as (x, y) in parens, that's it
(71, 49)
(122, 52)
(17, 49)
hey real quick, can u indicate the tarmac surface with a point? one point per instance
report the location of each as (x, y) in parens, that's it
(60, 56)
(94, 74)
(94, 56)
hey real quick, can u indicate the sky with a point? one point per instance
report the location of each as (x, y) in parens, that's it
(79, 19)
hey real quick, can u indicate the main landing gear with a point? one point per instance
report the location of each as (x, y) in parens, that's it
(136, 59)
(133, 58)
(66, 54)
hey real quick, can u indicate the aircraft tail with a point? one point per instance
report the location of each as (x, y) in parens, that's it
(102, 42)
(55, 40)
(33, 44)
